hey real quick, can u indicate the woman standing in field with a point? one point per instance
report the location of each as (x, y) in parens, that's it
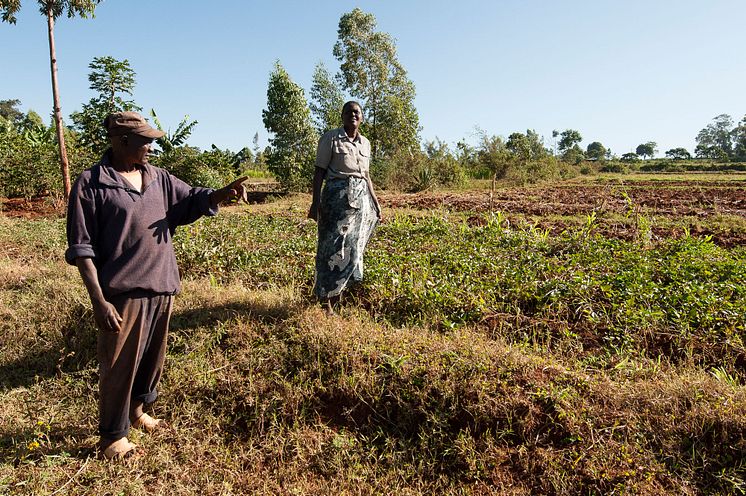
(347, 210)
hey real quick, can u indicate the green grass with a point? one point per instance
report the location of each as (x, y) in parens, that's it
(685, 295)
(474, 359)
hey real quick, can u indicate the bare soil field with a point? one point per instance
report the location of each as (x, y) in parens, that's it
(698, 201)
(683, 199)
(689, 204)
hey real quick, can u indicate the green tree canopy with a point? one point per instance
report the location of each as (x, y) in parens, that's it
(327, 100)
(596, 151)
(678, 154)
(52, 9)
(9, 112)
(630, 157)
(110, 78)
(569, 146)
(520, 146)
(81, 8)
(739, 141)
(569, 138)
(494, 155)
(293, 139)
(371, 72)
(647, 150)
(526, 147)
(716, 139)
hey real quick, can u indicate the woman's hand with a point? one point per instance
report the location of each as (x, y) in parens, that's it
(313, 211)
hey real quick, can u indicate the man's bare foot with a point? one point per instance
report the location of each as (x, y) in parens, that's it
(120, 449)
(149, 423)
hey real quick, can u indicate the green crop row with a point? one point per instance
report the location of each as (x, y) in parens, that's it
(681, 297)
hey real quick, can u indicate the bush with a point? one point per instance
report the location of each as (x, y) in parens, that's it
(417, 171)
(30, 164)
(616, 166)
(544, 169)
(446, 168)
(211, 169)
(403, 171)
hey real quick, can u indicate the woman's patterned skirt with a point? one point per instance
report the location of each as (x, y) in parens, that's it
(347, 218)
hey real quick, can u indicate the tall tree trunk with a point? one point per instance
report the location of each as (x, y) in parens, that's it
(65, 168)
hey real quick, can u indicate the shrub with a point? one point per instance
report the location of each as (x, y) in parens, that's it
(419, 171)
(544, 169)
(446, 168)
(211, 169)
(616, 166)
(30, 165)
(630, 157)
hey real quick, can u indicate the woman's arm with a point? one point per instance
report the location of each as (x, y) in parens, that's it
(376, 204)
(318, 181)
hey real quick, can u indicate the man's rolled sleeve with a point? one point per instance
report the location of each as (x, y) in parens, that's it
(75, 252)
(81, 225)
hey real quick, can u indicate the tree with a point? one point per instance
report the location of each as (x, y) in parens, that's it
(596, 151)
(371, 72)
(568, 139)
(52, 9)
(293, 138)
(110, 78)
(467, 157)
(569, 148)
(255, 144)
(630, 157)
(398, 122)
(243, 158)
(647, 149)
(678, 154)
(520, 146)
(495, 157)
(259, 156)
(739, 141)
(327, 100)
(715, 140)
(9, 112)
(555, 135)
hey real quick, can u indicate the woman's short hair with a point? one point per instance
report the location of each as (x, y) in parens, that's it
(351, 103)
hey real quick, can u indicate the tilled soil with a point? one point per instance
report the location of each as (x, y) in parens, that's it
(701, 200)
(32, 208)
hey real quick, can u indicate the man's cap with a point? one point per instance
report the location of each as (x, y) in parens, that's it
(121, 123)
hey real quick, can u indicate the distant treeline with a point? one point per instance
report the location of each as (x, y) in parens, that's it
(370, 73)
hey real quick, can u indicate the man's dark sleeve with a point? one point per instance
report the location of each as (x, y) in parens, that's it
(82, 229)
(186, 204)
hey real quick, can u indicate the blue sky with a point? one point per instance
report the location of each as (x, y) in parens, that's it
(620, 72)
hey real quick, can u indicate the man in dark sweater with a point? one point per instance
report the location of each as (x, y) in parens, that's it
(122, 214)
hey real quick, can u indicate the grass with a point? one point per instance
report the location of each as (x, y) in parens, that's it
(492, 358)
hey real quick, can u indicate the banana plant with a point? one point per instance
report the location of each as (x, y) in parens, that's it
(176, 139)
